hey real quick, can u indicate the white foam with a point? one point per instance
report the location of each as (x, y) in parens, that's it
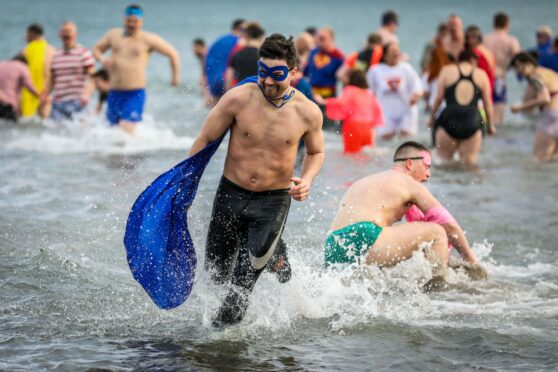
(93, 135)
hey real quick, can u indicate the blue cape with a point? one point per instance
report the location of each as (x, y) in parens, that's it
(159, 247)
(160, 250)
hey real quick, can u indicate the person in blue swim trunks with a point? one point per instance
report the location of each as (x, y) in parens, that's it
(364, 230)
(131, 48)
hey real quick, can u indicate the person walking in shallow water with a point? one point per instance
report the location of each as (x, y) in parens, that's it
(267, 119)
(131, 48)
(458, 128)
(543, 88)
(71, 75)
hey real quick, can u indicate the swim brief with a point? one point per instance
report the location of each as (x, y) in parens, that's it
(348, 244)
(125, 105)
(7, 112)
(65, 110)
(500, 93)
(244, 233)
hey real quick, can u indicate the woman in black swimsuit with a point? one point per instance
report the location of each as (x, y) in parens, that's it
(458, 128)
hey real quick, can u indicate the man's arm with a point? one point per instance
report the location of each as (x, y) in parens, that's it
(163, 47)
(439, 97)
(425, 201)
(542, 98)
(219, 119)
(101, 47)
(89, 84)
(458, 240)
(314, 158)
(28, 83)
(487, 102)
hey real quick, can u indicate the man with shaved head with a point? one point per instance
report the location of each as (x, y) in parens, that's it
(366, 228)
(456, 42)
(71, 69)
(131, 47)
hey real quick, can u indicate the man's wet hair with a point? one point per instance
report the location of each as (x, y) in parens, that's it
(277, 46)
(406, 148)
(389, 17)
(523, 57)
(501, 20)
(35, 29)
(20, 57)
(199, 41)
(358, 79)
(374, 39)
(467, 55)
(237, 23)
(254, 31)
(102, 74)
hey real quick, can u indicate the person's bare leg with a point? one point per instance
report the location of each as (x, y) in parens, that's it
(128, 127)
(469, 149)
(545, 146)
(445, 145)
(499, 110)
(397, 243)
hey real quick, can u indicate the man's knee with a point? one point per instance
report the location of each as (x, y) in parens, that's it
(438, 232)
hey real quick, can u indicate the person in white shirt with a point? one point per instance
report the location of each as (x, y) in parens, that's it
(398, 88)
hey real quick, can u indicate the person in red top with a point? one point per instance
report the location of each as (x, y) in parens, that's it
(371, 55)
(486, 60)
(360, 112)
(70, 79)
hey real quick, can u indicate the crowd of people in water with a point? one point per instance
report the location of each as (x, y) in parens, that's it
(461, 79)
(276, 95)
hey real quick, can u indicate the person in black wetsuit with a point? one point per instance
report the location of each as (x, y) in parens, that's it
(266, 118)
(459, 126)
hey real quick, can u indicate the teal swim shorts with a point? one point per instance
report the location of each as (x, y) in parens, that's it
(348, 244)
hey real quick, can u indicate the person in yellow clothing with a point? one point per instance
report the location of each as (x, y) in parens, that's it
(39, 55)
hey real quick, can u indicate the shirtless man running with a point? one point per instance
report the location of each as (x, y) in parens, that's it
(266, 122)
(364, 228)
(131, 47)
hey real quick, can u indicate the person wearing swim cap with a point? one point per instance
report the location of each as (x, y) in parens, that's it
(127, 65)
(267, 118)
(365, 228)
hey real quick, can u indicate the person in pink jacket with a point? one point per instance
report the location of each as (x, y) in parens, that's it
(359, 111)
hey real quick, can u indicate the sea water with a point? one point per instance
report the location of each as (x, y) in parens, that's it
(68, 300)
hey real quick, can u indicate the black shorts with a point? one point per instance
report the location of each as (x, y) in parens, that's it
(7, 112)
(244, 232)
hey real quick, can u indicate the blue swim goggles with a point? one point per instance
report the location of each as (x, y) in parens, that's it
(277, 73)
(133, 11)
